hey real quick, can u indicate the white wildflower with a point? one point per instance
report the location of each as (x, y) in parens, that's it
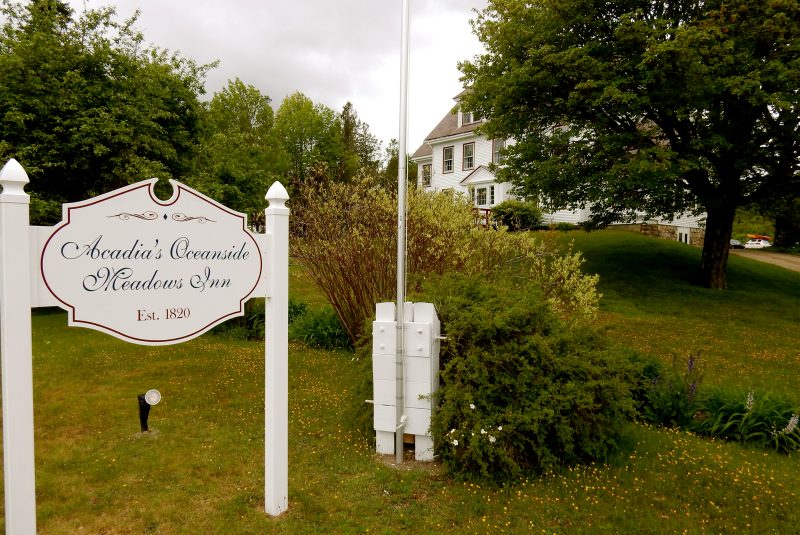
(499, 427)
(455, 442)
(790, 427)
(483, 431)
(749, 401)
(492, 439)
(472, 406)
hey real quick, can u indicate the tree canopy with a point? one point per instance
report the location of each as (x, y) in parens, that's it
(646, 107)
(86, 106)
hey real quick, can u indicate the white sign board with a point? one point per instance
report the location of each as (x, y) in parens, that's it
(148, 271)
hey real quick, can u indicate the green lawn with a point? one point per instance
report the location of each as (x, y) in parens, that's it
(201, 469)
(748, 335)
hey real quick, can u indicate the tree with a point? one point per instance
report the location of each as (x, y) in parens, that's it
(389, 176)
(240, 109)
(86, 107)
(309, 134)
(787, 221)
(656, 107)
(361, 148)
(238, 157)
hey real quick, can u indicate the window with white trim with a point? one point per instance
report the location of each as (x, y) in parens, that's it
(447, 160)
(468, 159)
(469, 117)
(497, 146)
(491, 195)
(481, 197)
(426, 175)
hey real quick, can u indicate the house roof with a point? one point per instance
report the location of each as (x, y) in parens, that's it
(447, 127)
(480, 174)
(424, 151)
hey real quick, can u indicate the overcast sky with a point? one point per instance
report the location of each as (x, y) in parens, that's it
(330, 50)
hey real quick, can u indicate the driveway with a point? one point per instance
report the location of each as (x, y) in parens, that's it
(788, 261)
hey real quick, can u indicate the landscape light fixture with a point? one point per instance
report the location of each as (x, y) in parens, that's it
(151, 397)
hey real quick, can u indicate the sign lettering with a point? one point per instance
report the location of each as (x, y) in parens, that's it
(149, 271)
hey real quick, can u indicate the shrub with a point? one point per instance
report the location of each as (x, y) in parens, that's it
(564, 226)
(668, 396)
(517, 215)
(520, 391)
(762, 421)
(296, 309)
(320, 328)
(249, 326)
(345, 237)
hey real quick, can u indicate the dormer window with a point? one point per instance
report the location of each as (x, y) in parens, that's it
(469, 117)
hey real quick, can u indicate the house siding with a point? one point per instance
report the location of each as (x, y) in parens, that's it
(452, 132)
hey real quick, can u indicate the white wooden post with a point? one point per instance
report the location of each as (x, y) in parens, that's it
(15, 346)
(276, 348)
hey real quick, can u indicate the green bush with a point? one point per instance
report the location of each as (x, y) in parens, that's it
(517, 215)
(520, 391)
(564, 227)
(320, 328)
(668, 396)
(249, 326)
(345, 232)
(296, 309)
(762, 421)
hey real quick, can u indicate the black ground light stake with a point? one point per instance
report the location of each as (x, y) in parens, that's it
(151, 397)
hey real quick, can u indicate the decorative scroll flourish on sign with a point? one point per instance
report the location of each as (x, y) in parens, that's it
(183, 217)
(148, 278)
(147, 216)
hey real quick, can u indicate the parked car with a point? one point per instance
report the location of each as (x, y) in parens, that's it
(756, 244)
(736, 244)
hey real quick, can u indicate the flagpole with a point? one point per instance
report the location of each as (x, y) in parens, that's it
(402, 172)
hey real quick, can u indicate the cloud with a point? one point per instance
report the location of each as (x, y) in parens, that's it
(330, 51)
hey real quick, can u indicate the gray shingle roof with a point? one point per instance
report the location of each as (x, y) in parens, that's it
(448, 126)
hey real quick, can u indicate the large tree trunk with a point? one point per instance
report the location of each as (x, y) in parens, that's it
(719, 226)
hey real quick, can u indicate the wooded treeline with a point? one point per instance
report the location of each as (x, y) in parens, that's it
(87, 106)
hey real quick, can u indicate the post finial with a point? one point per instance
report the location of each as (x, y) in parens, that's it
(277, 195)
(13, 178)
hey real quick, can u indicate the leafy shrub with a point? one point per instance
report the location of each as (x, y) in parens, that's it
(564, 226)
(668, 395)
(320, 328)
(520, 391)
(345, 237)
(296, 309)
(517, 215)
(762, 421)
(249, 326)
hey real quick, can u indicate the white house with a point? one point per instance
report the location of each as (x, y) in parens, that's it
(454, 157)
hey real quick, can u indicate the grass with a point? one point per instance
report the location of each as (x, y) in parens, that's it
(747, 335)
(201, 470)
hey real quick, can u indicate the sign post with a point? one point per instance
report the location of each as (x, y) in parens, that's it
(276, 354)
(147, 271)
(16, 349)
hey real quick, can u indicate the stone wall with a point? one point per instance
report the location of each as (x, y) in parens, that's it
(669, 232)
